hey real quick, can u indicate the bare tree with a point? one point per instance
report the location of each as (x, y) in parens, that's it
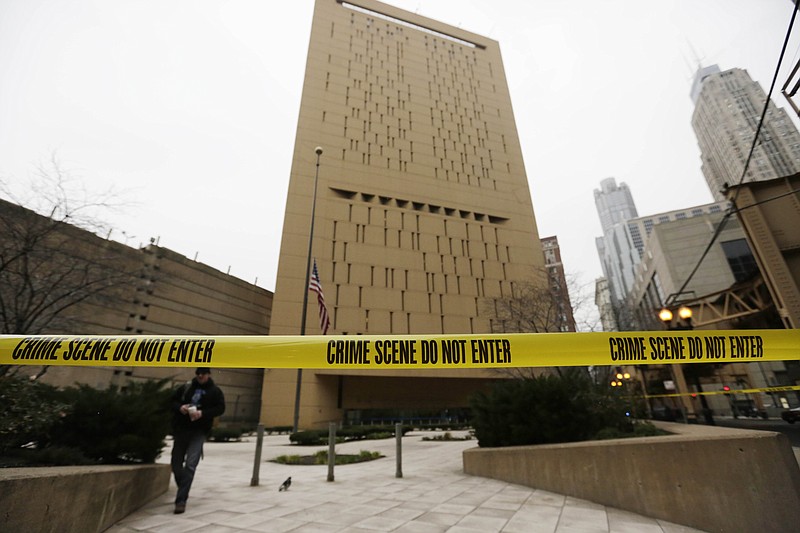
(51, 262)
(540, 306)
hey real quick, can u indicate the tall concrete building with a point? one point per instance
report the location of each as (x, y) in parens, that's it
(728, 107)
(423, 210)
(146, 291)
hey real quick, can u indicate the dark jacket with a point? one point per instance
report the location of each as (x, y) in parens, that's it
(207, 397)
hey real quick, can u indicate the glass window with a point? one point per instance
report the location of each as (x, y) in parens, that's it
(740, 258)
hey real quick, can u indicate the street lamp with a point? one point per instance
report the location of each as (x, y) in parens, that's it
(621, 379)
(318, 151)
(685, 323)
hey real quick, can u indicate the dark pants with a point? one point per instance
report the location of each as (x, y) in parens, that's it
(187, 449)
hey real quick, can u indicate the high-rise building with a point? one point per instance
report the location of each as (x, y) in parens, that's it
(618, 256)
(602, 299)
(423, 210)
(728, 107)
(565, 318)
(622, 246)
(614, 203)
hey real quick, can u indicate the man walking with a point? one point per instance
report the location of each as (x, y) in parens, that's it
(195, 404)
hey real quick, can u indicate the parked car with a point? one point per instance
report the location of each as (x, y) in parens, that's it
(791, 415)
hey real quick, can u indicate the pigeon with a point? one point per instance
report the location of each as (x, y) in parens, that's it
(286, 484)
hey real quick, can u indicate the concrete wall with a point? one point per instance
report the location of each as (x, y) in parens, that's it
(714, 479)
(75, 498)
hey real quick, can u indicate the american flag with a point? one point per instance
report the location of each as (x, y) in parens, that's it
(316, 286)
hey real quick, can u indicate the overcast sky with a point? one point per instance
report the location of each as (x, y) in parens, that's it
(190, 106)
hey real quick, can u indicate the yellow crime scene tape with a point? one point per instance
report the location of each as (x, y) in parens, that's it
(379, 352)
(785, 388)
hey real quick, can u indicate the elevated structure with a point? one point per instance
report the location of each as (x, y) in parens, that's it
(770, 214)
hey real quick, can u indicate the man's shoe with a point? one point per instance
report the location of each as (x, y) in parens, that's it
(180, 508)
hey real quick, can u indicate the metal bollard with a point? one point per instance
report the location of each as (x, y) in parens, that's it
(398, 434)
(257, 461)
(331, 449)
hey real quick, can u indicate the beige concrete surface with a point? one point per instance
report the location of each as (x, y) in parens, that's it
(714, 478)
(433, 496)
(75, 498)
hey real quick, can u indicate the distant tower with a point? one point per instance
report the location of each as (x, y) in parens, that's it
(614, 203)
(558, 283)
(617, 254)
(728, 106)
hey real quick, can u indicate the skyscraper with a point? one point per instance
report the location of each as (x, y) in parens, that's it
(616, 250)
(625, 235)
(728, 107)
(423, 212)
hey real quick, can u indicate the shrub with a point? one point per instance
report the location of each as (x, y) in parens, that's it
(378, 436)
(446, 437)
(59, 456)
(308, 438)
(544, 409)
(321, 457)
(315, 437)
(80, 425)
(115, 425)
(225, 434)
(365, 455)
(29, 411)
(646, 429)
(280, 430)
(288, 459)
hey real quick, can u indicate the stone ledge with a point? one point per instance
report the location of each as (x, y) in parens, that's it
(714, 479)
(76, 498)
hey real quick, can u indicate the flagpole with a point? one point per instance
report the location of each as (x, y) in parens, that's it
(295, 426)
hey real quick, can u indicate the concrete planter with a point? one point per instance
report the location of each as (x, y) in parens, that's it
(710, 478)
(75, 498)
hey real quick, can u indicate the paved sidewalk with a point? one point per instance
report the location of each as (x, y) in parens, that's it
(433, 496)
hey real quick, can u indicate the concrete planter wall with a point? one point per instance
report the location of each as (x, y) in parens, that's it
(714, 479)
(75, 498)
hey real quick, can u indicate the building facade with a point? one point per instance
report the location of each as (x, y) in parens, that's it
(770, 214)
(673, 249)
(602, 299)
(728, 107)
(615, 207)
(622, 246)
(423, 214)
(557, 279)
(153, 291)
(671, 253)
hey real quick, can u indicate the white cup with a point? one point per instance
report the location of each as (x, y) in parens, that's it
(192, 409)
